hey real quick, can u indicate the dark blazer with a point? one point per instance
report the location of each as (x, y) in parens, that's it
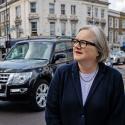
(104, 104)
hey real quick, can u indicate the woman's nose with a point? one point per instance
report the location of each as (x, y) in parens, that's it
(77, 46)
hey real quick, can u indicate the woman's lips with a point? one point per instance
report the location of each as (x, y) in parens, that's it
(78, 52)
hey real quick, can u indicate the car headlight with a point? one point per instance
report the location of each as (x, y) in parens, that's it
(19, 78)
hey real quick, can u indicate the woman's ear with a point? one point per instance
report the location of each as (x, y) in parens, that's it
(98, 55)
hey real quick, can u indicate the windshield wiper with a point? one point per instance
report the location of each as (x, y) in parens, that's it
(13, 58)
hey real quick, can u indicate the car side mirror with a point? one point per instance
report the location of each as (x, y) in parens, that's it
(3, 56)
(59, 56)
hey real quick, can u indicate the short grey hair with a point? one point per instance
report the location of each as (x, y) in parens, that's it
(100, 41)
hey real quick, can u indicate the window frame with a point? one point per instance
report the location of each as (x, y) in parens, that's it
(51, 8)
(33, 8)
(102, 13)
(63, 7)
(89, 11)
(63, 28)
(52, 32)
(123, 23)
(96, 12)
(73, 9)
(34, 32)
(73, 28)
(18, 11)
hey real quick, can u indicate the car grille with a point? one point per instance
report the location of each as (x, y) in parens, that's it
(4, 77)
(3, 88)
(3, 83)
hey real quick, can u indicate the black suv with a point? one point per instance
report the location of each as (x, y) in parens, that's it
(29, 66)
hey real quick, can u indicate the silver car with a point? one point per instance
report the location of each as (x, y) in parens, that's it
(117, 57)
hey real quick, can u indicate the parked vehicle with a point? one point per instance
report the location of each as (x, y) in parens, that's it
(109, 62)
(28, 68)
(117, 57)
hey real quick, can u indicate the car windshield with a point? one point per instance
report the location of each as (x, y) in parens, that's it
(31, 50)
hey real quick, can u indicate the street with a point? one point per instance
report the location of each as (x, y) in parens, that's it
(121, 68)
(21, 114)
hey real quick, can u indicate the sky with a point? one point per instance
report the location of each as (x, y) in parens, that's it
(117, 5)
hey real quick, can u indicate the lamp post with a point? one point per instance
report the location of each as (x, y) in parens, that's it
(6, 23)
(7, 28)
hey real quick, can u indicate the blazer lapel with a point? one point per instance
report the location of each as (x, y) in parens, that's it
(76, 82)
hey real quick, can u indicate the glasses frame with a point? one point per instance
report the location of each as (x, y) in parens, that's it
(80, 42)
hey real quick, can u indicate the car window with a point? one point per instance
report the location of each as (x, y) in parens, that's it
(69, 50)
(60, 47)
(19, 51)
(64, 48)
(31, 50)
(69, 45)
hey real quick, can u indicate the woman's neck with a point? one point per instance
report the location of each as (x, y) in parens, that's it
(87, 69)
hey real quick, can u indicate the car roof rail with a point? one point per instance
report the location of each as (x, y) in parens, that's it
(63, 37)
(40, 37)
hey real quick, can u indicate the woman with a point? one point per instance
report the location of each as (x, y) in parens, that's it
(86, 92)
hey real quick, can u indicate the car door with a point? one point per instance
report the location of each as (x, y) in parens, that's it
(62, 54)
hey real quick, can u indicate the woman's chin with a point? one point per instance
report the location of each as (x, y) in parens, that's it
(78, 59)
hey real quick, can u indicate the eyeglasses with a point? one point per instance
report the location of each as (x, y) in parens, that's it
(82, 43)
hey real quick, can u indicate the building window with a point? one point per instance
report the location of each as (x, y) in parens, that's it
(51, 8)
(123, 24)
(102, 13)
(73, 28)
(34, 28)
(88, 23)
(116, 36)
(116, 23)
(3, 31)
(2, 1)
(96, 12)
(2, 16)
(123, 33)
(110, 22)
(18, 11)
(63, 28)
(18, 33)
(33, 7)
(63, 9)
(52, 28)
(110, 36)
(7, 14)
(73, 9)
(103, 26)
(89, 11)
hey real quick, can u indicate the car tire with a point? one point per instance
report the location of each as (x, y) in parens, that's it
(39, 95)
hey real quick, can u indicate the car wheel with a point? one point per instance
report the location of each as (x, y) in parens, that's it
(39, 95)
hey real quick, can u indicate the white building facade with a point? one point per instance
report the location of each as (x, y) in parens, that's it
(114, 27)
(25, 18)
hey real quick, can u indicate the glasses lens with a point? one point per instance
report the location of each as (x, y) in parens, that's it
(75, 41)
(83, 44)
(90, 43)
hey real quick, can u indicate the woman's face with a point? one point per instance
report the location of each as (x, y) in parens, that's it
(87, 53)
